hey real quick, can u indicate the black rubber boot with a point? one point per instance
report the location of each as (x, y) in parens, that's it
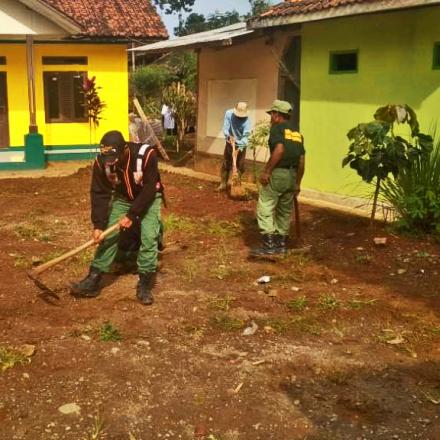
(224, 177)
(281, 243)
(144, 288)
(89, 286)
(268, 248)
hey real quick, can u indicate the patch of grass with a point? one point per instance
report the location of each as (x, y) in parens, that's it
(21, 262)
(306, 325)
(97, 429)
(109, 333)
(223, 228)
(190, 269)
(226, 323)
(279, 325)
(175, 222)
(297, 304)
(223, 304)
(329, 302)
(10, 357)
(435, 331)
(357, 304)
(32, 232)
(363, 259)
(339, 377)
(423, 254)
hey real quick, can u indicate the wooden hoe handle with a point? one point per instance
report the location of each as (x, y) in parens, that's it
(39, 269)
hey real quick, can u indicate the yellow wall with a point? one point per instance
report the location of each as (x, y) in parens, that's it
(105, 61)
(17, 92)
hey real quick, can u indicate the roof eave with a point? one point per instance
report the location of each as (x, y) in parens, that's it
(54, 15)
(342, 11)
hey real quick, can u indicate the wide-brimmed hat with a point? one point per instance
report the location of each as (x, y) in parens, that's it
(279, 106)
(241, 110)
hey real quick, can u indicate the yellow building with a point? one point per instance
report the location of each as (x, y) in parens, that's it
(48, 49)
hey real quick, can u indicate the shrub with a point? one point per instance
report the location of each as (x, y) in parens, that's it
(376, 152)
(415, 194)
(148, 81)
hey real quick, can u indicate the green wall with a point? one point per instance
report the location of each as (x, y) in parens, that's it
(394, 66)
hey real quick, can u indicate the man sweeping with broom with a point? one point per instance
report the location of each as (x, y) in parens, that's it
(236, 128)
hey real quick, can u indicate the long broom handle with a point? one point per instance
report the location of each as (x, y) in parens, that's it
(297, 218)
(145, 121)
(39, 269)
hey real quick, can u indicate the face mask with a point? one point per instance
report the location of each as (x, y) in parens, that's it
(109, 157)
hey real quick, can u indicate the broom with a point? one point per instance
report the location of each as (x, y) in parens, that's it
(237, 191)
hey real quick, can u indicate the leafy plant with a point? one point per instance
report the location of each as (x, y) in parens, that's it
(109, 333)
(258, 139)
(94, 105)
(183, 103)
(297, 304)
(415, 194)
(376, 152)
(9, 358)
(329, 302)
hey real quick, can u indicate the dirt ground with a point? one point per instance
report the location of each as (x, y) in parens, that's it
(347, 344)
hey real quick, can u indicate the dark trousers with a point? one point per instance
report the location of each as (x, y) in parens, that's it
(227, 159)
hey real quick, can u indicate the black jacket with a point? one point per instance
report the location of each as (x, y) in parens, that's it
(140, 193)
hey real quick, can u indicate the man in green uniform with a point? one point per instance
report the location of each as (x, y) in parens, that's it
(126, 188)
(280, 181)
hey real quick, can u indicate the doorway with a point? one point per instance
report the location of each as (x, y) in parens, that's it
(290, 78)
(4, 122)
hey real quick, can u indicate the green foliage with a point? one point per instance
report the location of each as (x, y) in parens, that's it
(195, 23)
(109, 333)
(148, 81)
(258, 139)
(227, 323)
(173, 6)
(9, 358)
(297, 304)
(258, 7)
(376, 152)
(415, 194)
(183, 67)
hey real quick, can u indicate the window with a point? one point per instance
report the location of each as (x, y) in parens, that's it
(436, 62)
(2, 61)
(64, 97)
(344, 62)
(63, 61)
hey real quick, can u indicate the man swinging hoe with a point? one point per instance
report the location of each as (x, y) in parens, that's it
(126, 189)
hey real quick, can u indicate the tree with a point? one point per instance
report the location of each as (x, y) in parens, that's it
(218, 20)
(195, 23)
(258, 7)
(175, 6)
(376, 151)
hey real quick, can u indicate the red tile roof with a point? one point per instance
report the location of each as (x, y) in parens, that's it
(137, 19)
(296, 7)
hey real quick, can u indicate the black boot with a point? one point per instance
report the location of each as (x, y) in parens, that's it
(281, 243)
(268, 248)
(144, 287)
(89, 286)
